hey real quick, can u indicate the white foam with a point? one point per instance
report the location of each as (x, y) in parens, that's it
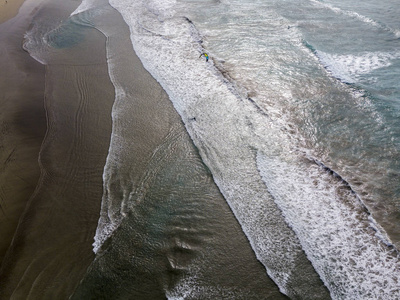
(84, 6)
(336, 232)
(352, 14)
(220, 123)
(230, 131)
(33, 45)
(189, 288)
(350, 67)
(357, 16)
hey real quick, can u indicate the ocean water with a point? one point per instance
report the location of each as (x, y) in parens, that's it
(165, 230)
(296, 115)
(295, 128)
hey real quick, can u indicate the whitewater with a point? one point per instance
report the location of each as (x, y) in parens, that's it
(290, 127)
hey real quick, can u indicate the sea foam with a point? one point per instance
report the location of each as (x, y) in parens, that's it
(220, 122)
(259, 170)
(335, 229)
(357, 16)
(350, 67)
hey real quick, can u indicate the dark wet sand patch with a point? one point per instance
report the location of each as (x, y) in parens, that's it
(52, 246)
(22, 126)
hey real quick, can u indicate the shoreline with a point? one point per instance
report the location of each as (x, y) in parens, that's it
(156, 179)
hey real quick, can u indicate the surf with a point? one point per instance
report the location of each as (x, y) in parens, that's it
(229, 131)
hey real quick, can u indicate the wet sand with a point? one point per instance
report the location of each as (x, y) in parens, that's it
(52, 246)
(9, 9)
(22, 125)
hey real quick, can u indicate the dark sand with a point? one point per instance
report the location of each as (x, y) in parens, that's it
(22, 125)
(9, 9)
(51, 248)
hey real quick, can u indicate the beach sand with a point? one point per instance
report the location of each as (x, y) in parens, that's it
(22, 125)
(9, 9)
(51, 248)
